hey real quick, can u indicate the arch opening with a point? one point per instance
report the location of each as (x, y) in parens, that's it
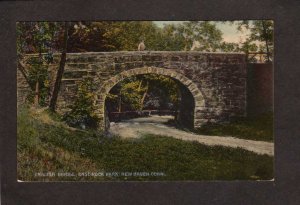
(189, 109)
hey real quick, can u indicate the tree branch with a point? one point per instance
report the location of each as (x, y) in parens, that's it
(22, 69)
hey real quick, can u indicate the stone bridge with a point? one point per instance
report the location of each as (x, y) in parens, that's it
(213, 85)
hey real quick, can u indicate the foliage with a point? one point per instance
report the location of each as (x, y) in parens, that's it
(169, 39)
(229, 47)
(254, 128)
(36, 154)
(143, 92)
(248, 46)
(140, 92)
(82, 111)
(47, 145)
(36, 37)
(206, 33)
(260, 31)
(163, 92)
(54, 147)
(132, 93)
(60, 70)
(87, 36)
(38, 74)
(117, 35)
(204, 36)
(127, 35)
(259, 38)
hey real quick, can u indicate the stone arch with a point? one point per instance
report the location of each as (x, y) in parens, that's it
(109, 84)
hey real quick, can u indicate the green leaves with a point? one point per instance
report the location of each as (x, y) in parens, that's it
(37, 37)
(143, 92)
(82, 111)
(117, 35)
(260, 37)
(125, 35)
(38, 74)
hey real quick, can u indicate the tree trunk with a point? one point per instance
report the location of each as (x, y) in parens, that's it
(60, 71)
(21, 68)
(144, 96)
(120, 103)
(140, 86)
(36, 93)
(176, 117)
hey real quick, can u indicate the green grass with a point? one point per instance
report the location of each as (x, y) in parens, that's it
(255, 128)
(46, 145)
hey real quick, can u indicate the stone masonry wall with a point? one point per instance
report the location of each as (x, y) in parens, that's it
(217, 81)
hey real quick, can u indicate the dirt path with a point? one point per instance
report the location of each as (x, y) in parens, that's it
(134, 128)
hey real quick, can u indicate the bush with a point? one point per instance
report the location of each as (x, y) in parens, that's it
(82, 113)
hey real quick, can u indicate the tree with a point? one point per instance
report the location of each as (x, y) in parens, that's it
(169, 39)
(207, 35)
(229, 47)
(88, 37)
(82, 111)
(35, 37)
(144, 92)
(60, 70)
(261, 31)
(127, 35)
(50, 37)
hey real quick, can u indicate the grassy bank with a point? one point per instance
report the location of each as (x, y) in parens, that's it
(254, 128)
(46, 145)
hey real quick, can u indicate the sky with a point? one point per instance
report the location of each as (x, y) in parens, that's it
(230, 32)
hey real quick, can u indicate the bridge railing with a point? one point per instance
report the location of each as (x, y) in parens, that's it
(259, 57)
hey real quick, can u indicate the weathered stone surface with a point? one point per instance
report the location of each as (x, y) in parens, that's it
(216, 81)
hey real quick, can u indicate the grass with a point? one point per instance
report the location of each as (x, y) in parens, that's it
(254, 128)
(46, 145)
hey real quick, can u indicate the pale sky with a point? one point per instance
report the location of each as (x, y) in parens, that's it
(230, 32)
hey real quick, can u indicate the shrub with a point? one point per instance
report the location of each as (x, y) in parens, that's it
(82, 113)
